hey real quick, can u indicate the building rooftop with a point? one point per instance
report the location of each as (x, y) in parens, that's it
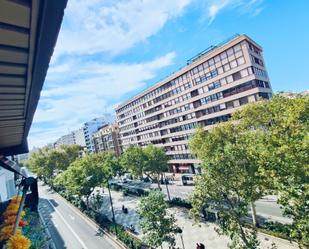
(210, 51)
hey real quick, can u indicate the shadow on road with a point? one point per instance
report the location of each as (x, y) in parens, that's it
(46, 209)
(55, 204)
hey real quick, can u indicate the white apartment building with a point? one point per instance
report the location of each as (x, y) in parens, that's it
(67, 139)
(88, 129)
(205, 92)
(79, 137)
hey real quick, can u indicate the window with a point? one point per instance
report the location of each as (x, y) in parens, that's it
(223, 55)
(217, 59)
(233, 64)
(230, 52)
(243, 101)
(220, 70)
(208, 76)
(214, 85)
(226, 67)
(223, 81)
(214, 73)
(237, 48)
(236, 76)
(230, 105)
(240, 60)
(205, 64)
(244, 73)
(211, 62)
(229, 79)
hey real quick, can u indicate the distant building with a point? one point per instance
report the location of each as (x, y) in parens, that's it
(89, 128)
(79, 137)
(290, 94)
(205, 92)
(7, 185)
(22, 157)
(67, 139)
(107, 139)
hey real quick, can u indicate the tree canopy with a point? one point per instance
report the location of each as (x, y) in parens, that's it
(263, 148)
(150, 160)
(157, 224)
(86, 173)
(230, 180)
(285, 158)
(134, 160)
(47, 162)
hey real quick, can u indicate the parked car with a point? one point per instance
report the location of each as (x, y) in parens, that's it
(187, 179)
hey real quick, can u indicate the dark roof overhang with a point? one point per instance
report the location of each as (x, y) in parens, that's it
(28, 34)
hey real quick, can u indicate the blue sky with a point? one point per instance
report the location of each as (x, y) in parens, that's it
(107, 51)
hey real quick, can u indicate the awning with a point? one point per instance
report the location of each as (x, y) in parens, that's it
(28, 34)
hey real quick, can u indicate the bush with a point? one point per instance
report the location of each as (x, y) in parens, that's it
(277, 229)
(130, 241)
(180, 203)
(125, 192)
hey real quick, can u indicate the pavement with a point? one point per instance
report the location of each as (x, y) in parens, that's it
(69, 229)
(192, 233)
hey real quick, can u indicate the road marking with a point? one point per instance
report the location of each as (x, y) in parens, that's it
(68, 225)
(72, 217)
(84, 218)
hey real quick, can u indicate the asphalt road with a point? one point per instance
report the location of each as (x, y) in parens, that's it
(267, 207)
(68, 228)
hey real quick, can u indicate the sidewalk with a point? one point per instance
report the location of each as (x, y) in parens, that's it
(192, 233)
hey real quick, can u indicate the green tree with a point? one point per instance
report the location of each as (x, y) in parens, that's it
(134, 160)
(46, 162)
(285, 159)
(157, 224)
(156, 162)
(83, 175)
(114, 164)
(230, 179)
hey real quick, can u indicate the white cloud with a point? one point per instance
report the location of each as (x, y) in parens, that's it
(79, 91)
(214, 7)
(92, 26)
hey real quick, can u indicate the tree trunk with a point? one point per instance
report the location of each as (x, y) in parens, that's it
(159, 180)
(243, 235)
(254, 218)
(87, 202)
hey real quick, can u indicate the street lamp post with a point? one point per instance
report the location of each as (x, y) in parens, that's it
(167, 190)
(183, 246)
(179, 230)
(111, 202)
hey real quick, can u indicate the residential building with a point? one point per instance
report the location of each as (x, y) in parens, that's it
(212, 86)
(7, 184)
(107, 139)
(79, 137)
(67, 139)
(89, 128)
(22, 157)
(292, 95)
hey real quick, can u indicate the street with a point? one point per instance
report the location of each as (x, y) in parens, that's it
(266, 207)
(68, 228)
(202, 232)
